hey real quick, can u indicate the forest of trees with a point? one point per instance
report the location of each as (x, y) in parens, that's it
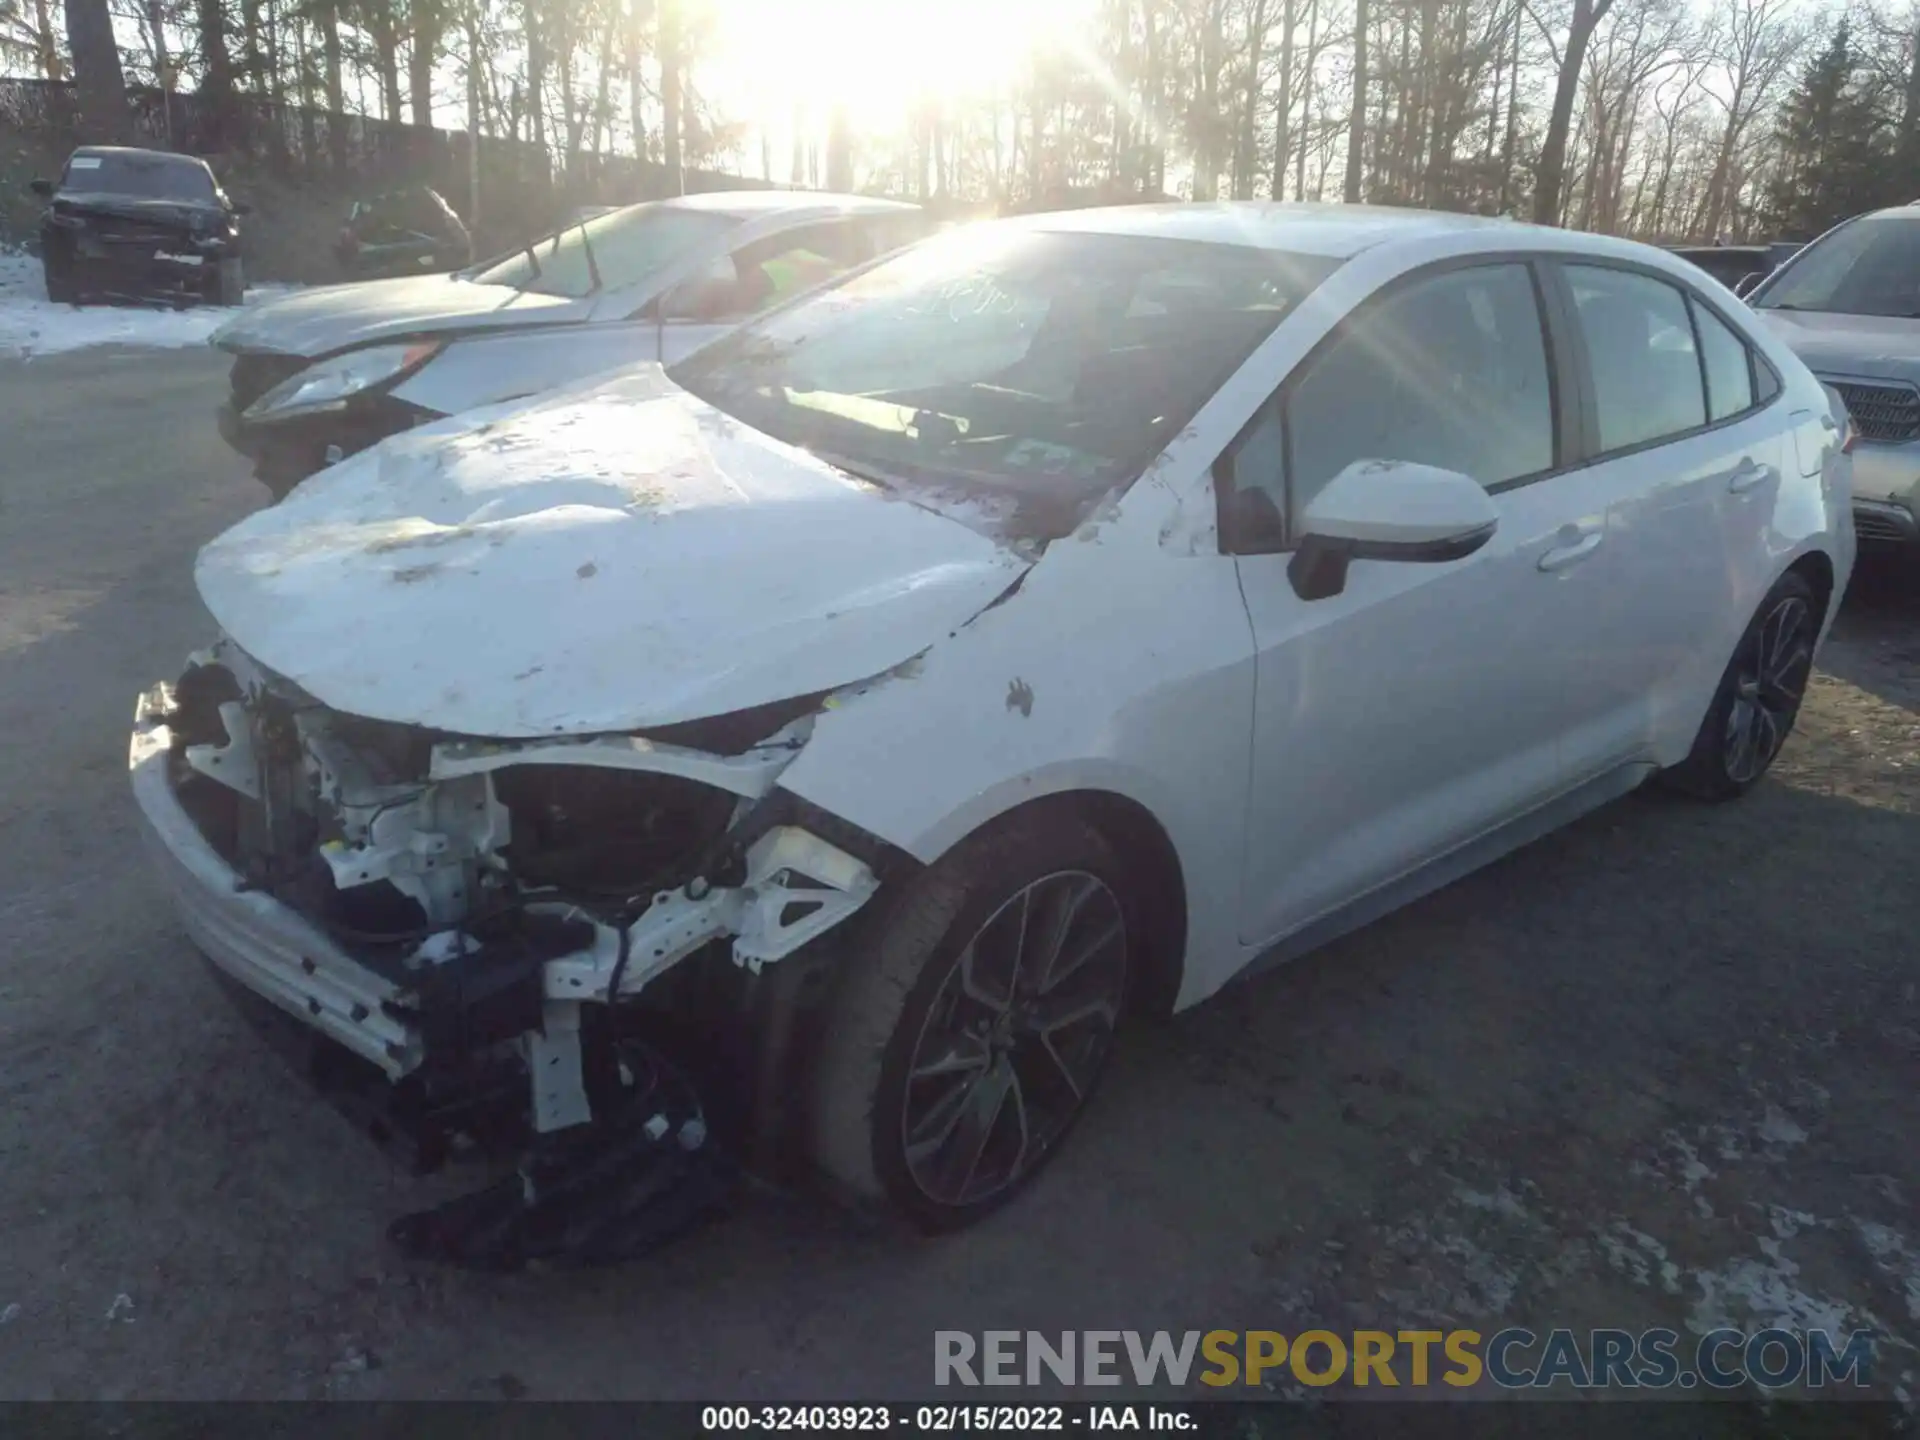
(1657, 118)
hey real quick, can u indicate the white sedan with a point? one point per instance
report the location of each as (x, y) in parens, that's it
(1063, 616)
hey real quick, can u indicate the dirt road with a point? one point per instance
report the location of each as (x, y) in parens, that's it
(1662, 1068)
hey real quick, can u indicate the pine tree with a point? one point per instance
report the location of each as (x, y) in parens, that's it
(1830, 146)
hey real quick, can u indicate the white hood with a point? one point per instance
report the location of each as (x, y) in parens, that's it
(613, 559)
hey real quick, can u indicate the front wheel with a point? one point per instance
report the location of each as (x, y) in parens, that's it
(974, 1021)
(230, 282)
(61, 289)
(1759, 697)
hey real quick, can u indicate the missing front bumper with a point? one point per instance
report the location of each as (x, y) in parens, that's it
(444, 1001)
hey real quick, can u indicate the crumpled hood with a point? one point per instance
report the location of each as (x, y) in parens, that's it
(619, 557)
(1868, 346)
(332, 317)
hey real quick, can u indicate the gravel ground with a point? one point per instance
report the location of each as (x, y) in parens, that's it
(1657, 1069)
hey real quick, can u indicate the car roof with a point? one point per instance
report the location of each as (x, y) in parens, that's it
(135, 150)
(1335, 231)
(755, 203)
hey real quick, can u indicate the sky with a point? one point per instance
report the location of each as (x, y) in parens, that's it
(877, 57)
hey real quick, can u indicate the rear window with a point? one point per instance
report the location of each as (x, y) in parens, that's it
(147, 177)
(619, 249)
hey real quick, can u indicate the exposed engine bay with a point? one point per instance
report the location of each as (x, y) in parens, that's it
(492, 916)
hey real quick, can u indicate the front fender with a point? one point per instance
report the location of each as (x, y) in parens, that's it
(1115, 668)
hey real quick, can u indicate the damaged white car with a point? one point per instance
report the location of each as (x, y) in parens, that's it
(824, 743)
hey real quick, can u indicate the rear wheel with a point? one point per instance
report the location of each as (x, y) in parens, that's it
(1759, 697)
(974, 1021)
(61, 289)
(280, 473)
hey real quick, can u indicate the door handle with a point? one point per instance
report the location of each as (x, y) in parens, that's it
(1747, 474)
(1561, 556)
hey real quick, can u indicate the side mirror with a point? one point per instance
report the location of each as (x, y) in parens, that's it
(1388, 510)
(1748, 283)
(241, 207)
(42, 188)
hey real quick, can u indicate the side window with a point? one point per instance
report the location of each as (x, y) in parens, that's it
(1729, 367)
(781, 267)
(1255, 472)
(1450, 371)
(1640, 349)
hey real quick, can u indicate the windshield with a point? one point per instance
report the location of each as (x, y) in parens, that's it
(1870, 267)
(1049, 366)
(150, 177)
(624, 246)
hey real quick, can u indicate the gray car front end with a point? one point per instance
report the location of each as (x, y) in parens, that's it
(325, 373)
(1849, 306)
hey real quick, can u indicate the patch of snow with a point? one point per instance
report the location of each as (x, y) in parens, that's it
(1472, 1283)
(31, 325)
(1635, 1253)
(1501, 1201)
(1780, 1128)
(1765, 1293)
(1685, 1160)
(1890, 1253)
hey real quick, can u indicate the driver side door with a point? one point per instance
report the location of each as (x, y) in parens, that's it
(1424, 704)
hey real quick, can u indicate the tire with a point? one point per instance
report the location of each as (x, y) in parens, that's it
(905, 998)
(1758, 697)
(230, 283)
(280, 474)
(61, 289)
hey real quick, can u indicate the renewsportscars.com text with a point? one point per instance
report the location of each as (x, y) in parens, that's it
(1513, 1358)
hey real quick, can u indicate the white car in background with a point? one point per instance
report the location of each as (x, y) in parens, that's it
(324, 373)
(1060, 617)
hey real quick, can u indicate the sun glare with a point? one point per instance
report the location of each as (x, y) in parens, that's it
(879, 58)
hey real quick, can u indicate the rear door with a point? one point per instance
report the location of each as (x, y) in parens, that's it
(1685, 461)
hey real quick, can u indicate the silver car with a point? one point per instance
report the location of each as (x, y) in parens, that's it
(323, 373)
(1849, 306)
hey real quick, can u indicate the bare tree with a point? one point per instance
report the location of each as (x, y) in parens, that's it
(1357, 121)
(26, 36)
(1568, 57)
(96, 66)
(1755, 43)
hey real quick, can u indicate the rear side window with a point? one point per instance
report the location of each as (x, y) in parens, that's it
(1728, 365)
(1449, 371)
(1640, 350)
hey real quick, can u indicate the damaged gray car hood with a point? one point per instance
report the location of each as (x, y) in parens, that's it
(616, 558)
(316, 322)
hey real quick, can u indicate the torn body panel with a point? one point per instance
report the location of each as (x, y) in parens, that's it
(438, 905)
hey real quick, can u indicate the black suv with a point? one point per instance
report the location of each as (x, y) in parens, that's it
(139, 224)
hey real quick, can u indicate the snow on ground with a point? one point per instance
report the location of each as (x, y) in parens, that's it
(31, 325)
